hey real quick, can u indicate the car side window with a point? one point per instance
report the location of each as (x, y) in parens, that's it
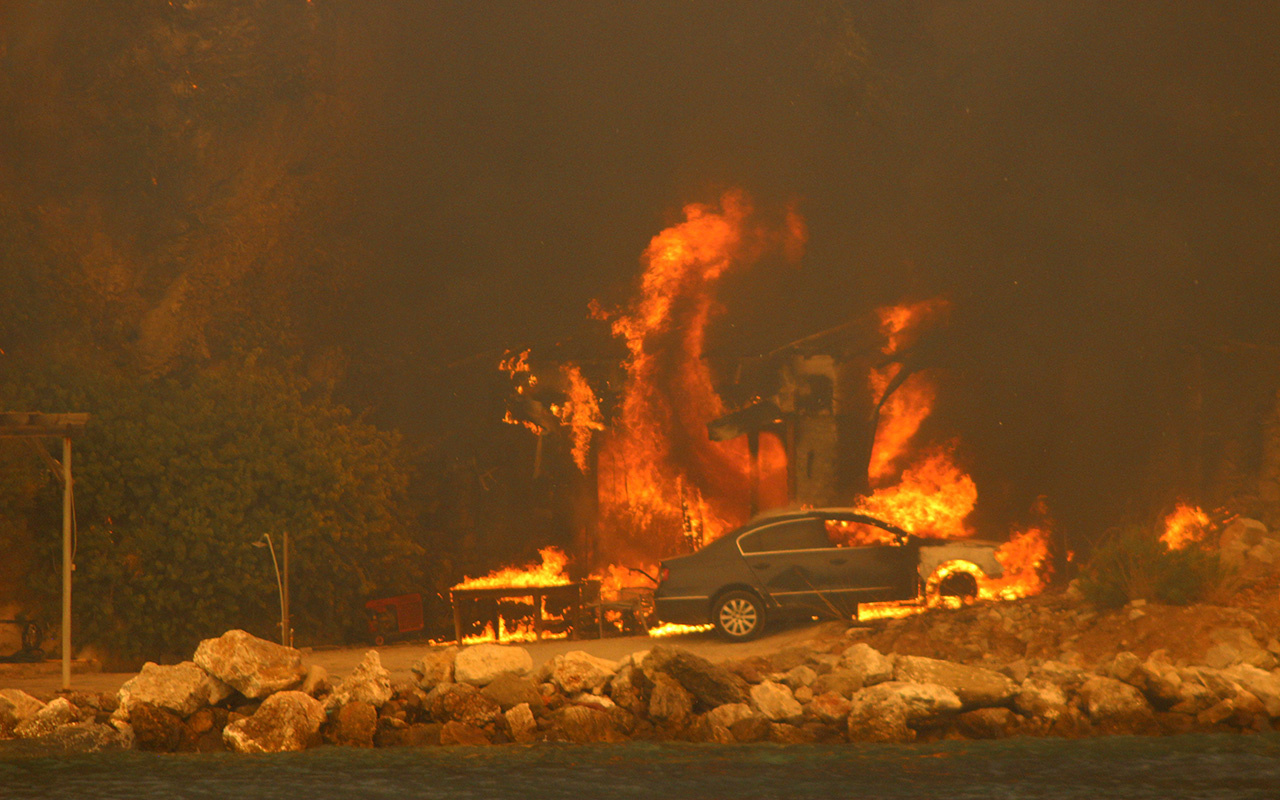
(848, 533)
(799, 534)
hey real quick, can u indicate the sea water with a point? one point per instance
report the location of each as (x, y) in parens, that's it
(1230, 767)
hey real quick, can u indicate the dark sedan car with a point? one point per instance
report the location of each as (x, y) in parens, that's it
(821, 561)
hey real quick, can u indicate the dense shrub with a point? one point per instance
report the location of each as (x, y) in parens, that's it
(177, 478)
(1134, 564)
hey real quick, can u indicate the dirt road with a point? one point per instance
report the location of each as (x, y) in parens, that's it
(45, 678)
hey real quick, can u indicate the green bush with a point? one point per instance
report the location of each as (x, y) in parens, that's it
(1135, 564)
(177, 478)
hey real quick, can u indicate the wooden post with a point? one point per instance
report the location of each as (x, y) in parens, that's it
(457, 619)
(286, 629)
(753, 452)
(537, 614)
(66, 563)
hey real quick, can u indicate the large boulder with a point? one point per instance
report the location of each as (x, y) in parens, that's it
(976, 687)
(775, 701)
(369, 682)
(87, 737)
(480, 664)
(726, 715)
(867, 662)
(879, 716)
(181, 688)
(986, 723)
(711, 685)
(157, 729)
(582, 724)
(669, 702)
(509, 691)
(1236, 542)
(16, 707)
(1116, 706)
(923, 701)
(1236, 646)
(830, 707)
(841, 681)
(462, 702)
(355, 724)
(579, 671)
(435, 666)
(1260, 683)
(629, 688)
(521, 725)
(55, 714)
(253, 666)
(286, 721)
(1037, 697)
(461, 733)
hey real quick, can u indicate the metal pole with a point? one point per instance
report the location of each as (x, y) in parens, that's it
(284, 597)
(66, 563)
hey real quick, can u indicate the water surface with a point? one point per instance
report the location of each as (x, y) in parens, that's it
(1230, 767)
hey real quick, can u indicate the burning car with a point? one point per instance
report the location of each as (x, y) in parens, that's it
(818, 561)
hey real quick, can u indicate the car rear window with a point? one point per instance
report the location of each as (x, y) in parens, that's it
(799, 534)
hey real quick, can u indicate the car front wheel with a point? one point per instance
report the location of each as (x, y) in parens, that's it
(738, 616)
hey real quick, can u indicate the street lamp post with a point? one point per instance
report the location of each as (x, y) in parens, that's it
(282, 585)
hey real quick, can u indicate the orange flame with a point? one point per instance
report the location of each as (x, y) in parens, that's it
(549, 573)
(903, 411)
(581, 412)
(932, 498)
(659, 474)
(1026, 563)
(1185, 525)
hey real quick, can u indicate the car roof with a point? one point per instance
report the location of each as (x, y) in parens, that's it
(839, 513)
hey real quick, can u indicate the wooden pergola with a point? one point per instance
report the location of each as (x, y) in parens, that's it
(33, 425)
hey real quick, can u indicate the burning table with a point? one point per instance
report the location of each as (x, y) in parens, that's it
(467, 603)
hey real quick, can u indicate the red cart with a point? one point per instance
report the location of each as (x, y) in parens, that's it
(392, 616)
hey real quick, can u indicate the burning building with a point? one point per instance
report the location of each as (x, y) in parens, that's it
(667, 455)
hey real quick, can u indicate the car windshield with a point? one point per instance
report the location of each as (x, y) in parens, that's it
(796, 534)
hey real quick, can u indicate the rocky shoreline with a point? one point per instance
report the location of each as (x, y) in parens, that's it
(247, 695)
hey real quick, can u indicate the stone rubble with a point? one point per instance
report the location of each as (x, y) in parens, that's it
(1032, 670)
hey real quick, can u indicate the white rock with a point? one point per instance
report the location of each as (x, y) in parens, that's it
(1037, 697)
(181, 688)
(53, 715)
(775, 701)
(480, 664)
(976, 687)
(316, 682)
(1109, 700)
(921, 700)
(369, 682)
(727, 714)
(16, 706)
(435, 666)
(800, 676)
(251, 665)
(595, 700)
(286, 721)
(579, 671)
(520, 723)
(873, 665)
(1262, 684)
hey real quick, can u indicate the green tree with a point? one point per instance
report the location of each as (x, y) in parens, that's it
(176, 478)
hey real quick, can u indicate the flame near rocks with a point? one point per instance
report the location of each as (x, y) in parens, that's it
(1185, 525)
